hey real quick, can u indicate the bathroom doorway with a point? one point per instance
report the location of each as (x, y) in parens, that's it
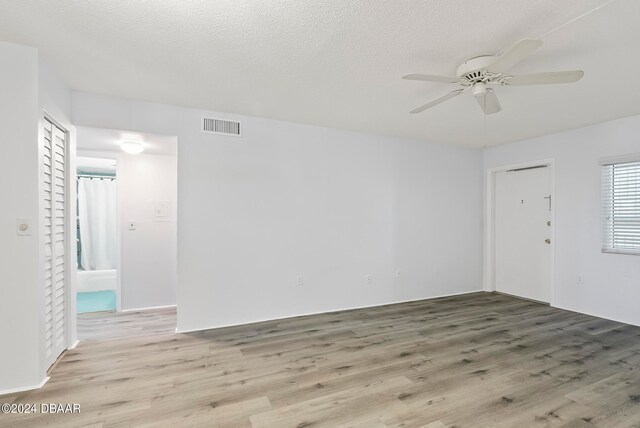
(127, 232)
(97, 234)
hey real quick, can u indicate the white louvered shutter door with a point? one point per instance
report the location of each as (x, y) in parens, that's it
(48, 239)
(55, 192)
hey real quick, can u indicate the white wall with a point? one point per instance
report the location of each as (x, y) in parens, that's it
(28, 89)
(19, 329)
(290, 199)
(149, 253)
(611, 286)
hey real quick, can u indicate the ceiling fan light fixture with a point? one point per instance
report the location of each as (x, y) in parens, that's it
(479, 89)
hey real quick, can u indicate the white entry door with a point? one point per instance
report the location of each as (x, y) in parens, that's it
(523, 233)
(55, 239)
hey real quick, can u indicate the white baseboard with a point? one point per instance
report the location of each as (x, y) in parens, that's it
(74, 345)
(326, 312)
(593, 314)
(148, 309)
(24, 388)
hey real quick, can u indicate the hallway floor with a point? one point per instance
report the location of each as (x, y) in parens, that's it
(100, 326)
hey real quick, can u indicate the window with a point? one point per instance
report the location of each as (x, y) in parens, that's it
(621, 207)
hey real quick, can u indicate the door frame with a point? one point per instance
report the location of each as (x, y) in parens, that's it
(490, 257)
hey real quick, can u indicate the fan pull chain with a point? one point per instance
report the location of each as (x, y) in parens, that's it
(575, 19)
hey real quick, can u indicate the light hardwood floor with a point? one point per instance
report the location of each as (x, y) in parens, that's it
(120, 325)
(479, 360)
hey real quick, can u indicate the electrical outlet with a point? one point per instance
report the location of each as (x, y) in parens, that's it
(580, 279)
(398, 274)
(300, 280)
(368, 279)
(131, 225)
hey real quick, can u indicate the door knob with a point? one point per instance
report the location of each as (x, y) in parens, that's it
(547, 241)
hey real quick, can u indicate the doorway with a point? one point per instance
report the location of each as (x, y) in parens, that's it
(127, 229)
(522, 231)
(96, 230)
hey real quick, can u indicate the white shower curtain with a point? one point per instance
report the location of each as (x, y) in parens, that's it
(97, 214)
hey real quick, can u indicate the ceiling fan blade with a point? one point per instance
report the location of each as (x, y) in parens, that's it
(431, 78)
(511, 57)
(489, 102)
(545, 78)
(437, 101)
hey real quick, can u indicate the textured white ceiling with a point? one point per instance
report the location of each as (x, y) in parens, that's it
(338, 63)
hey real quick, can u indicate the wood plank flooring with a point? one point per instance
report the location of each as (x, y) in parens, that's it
(478, 360)
(119, 325)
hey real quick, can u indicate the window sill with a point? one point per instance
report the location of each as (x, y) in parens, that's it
(627, 252)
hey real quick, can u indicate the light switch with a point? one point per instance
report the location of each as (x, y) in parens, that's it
(161, 209)
(131, 225)
(23, 227)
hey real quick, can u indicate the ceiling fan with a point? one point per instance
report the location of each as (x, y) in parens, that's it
(481, 72)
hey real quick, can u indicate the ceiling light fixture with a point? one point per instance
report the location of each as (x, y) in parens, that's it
(132, 147)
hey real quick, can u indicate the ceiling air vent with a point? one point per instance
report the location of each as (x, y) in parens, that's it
(220, 126)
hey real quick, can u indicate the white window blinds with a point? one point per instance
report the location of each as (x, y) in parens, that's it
(621, 207)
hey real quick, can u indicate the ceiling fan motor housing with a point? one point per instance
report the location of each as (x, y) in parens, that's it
(474, 69)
